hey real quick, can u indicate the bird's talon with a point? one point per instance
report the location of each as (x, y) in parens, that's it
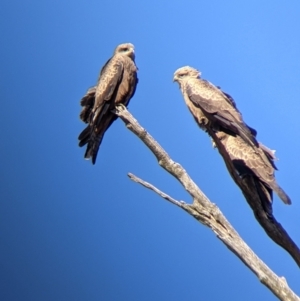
(121, 106)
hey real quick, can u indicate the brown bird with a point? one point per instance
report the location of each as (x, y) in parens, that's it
(258, 162)
(116, 85)
(247, 157)
(217, 109)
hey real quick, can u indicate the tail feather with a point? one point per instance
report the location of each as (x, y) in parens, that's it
(93, 147)
(93, 141)
(280, 192)
(84, 135)
(265, 196)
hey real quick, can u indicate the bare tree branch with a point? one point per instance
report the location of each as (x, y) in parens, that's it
(153, 188)
(208, 213)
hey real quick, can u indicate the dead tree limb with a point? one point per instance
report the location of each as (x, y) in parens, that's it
(208, 213)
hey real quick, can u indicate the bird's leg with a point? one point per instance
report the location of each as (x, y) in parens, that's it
(118, 107)
(203, 121)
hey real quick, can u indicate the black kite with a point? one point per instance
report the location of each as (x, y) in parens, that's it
(217, 108)
(116, 85)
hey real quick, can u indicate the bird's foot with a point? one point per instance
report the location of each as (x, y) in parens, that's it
(203, 121)
(121, 106)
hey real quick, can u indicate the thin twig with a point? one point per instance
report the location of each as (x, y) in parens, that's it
(153, 188)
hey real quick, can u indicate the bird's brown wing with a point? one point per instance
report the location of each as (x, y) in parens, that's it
(218, 109)
(110, 77)
(211, 99)
(232, 102)
(252, 161)
(228, 97)
(246, 157)
(116, 84)
(270, 154)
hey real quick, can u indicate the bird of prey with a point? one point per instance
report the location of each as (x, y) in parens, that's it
(247, 158)
(248, 161)
(217, 109)
(116, 85)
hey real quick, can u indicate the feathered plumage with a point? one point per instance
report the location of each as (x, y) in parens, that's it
(116, 85)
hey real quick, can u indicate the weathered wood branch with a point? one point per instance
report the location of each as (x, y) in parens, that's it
(156, 190)
(208, 213)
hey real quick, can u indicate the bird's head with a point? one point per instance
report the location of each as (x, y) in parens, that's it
(125, 49)
(184, 73)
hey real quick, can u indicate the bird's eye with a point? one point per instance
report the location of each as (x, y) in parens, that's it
(181, 75)
(125, 49)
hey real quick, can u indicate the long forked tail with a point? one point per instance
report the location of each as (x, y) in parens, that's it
(93, 141)
(280, 192)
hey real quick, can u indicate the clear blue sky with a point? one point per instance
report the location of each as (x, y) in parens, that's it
(73, 231)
